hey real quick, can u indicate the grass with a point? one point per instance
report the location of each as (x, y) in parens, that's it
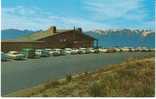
(133, 78)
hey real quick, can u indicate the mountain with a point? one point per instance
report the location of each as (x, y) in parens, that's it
(124, 37)
(9, 34)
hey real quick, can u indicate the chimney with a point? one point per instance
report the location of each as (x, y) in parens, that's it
(79, 29)
(52, 29)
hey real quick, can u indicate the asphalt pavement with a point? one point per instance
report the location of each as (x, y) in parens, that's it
(17, 75)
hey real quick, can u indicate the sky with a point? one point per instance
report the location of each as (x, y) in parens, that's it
(88, 14)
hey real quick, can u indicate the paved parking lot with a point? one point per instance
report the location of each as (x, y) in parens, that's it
(22, 74)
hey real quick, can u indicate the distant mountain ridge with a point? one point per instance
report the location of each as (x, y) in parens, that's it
(142, 32)
(10, 34)
(106, 38)
(124, 37)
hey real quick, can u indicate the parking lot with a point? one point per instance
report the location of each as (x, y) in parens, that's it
(26, 73)
(31, 53)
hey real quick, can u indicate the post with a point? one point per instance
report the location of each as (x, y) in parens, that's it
(97, 43)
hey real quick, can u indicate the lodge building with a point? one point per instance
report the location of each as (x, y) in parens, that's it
(51, 38)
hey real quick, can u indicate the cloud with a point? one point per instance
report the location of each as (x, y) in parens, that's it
(34, 18)
(113, 9)
(120, 13)
(99, 14)
(20, 17)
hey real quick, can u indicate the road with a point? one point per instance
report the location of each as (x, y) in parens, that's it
(17, 75)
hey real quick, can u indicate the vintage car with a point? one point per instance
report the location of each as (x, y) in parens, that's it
(4, 57)
(67, 51)
(42, 53)
(82, 51)
(29, 52)
(15, 55)
(57, 52)
(74, 51)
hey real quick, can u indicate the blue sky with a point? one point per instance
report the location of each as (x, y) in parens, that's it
(88, 14)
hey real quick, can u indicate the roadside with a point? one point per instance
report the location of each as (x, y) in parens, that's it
(131, 78)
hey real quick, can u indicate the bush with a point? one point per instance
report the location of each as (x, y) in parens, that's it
(95, 89)
(68, 77)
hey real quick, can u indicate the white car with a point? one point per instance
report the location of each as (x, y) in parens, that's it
(91, 50)
(42, 52)
(48, 49)
(111, 50)
(15, 55)
(82, 50)
(57, 52)
(4, 57)
(132, 49)
(67, 50)
(144, 49)
(117, 49)
(74, 51)
(139, 49)
(103, 50)
(152, 49)
(125, 49)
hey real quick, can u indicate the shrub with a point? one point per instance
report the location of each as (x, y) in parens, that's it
(95, 89)
(68, 77)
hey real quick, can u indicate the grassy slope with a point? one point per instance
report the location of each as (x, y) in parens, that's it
(132, 78)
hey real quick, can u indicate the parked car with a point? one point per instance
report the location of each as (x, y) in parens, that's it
(97, 50)
(45, 53)
(152, 49)
(42, 53)
(103, 50)
(15, 55)
(29, 53)
(144, 49)
(111, 50)
(117, 49)
(87, 51)
(91, 50)
(74, 51)
(57, 52)
(4, 57)
(51, 51)
(139, 49)
(67, 51)
(82, 51)
(48, 49)
(125, 49)
(132, 49)
(38, 52)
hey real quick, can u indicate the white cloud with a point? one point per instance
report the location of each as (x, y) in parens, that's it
(112, 9)
(34, 18)
(102, 14)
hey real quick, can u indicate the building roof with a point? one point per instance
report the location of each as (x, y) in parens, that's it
(22, 41)
(39, 35)
(43, 34)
